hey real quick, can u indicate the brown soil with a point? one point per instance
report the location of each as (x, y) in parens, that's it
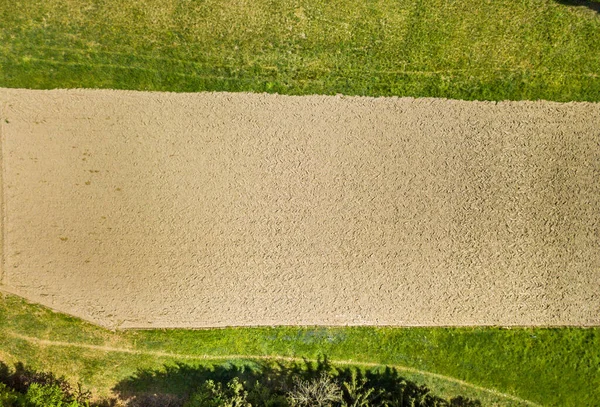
(137, 209)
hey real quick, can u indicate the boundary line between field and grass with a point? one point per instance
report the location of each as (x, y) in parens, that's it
(2, 212)
(46, 342)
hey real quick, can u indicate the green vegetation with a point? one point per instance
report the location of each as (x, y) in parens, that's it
(313, 385)
(465, 49)
(37, 396)
(267, 383)
(23, 387)
(554, 367)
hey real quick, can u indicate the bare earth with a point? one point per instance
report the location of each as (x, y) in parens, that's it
(137, 209)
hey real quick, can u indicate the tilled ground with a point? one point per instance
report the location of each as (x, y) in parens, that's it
(136, 209)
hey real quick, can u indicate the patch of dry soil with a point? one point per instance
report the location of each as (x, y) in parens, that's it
(136, 209)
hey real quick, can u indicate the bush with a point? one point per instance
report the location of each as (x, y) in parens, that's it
(48, 396)
(9, 397)
(260, 384)
(212, 394)
(23, 377)
(321, 392)
(275, 384)
(25, 387)
(357, 394)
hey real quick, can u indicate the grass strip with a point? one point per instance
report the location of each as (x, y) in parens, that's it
(466, 49)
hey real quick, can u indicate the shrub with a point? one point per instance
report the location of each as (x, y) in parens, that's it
(266, 396)
(212, 394)
(23, 377)
(25, 387)
(48, 396)
(321, 392)
(9, 397)
(356, 394)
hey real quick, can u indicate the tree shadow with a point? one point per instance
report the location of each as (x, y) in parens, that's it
(268, 384)
(175, 383)
(592, 5)
(21, 377)
(264, 383)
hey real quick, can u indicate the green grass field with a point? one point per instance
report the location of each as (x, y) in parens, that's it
(551, 367)
(465, 49)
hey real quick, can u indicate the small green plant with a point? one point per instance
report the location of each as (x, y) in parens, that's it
(48, 396)
(265, 396)
(25, 387)
(212, 394)
(356, 394)
(9, 397)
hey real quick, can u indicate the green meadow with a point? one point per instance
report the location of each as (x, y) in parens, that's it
(465, 49)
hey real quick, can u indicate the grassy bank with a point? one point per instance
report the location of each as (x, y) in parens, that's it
(554, 367)
(467, 49)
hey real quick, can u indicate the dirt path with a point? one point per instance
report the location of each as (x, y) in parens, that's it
(200, 210)
(179, 356)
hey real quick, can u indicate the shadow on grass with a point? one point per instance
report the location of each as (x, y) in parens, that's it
(20, 378)
(269, 383)
(593, 5)
(243, 384)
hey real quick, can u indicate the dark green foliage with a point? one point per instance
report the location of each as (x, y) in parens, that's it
(271, 383)
(39, 395)
(211, 394)
(22, 378)
(267, 383)
(24, 387)
(591, 4)
(9, 397)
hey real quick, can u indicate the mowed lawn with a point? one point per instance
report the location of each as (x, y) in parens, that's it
(551, 367)
(464, 49)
